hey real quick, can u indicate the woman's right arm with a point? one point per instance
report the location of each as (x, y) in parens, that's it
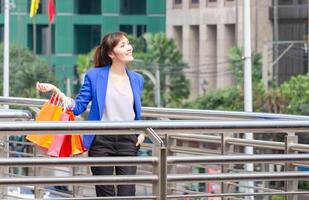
(77, 105)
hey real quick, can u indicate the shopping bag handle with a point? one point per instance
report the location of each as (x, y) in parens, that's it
(55, 99)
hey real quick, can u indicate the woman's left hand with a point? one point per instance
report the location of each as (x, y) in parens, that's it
(140, 139)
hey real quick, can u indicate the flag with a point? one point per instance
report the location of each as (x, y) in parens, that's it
(51, 11)
(34, 7)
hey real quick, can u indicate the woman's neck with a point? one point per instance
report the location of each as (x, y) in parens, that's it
(119, 69)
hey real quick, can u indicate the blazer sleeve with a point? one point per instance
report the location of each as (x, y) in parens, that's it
(84, 97)
(141, 84)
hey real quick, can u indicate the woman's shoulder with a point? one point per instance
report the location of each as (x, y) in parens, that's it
(94, 71)
(137, 75)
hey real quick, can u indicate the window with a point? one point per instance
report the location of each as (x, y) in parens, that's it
(1, 32)
(44, 39)
(90, 7)
(211, 3)
(177, 3)
(86, 37)
(1, 6)
(229, 3)
(133, 7)
(285, 2)
(194, 3)
(126, 28)
(136, 30)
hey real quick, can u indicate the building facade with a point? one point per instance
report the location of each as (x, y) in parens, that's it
(291, 30)
(205, 30)
(78, 27)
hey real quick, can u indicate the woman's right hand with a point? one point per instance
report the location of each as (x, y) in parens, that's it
(47, 87)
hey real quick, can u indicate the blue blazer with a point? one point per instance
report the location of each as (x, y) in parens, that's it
(94, 89)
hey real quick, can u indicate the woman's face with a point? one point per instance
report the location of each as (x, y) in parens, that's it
(122, 52)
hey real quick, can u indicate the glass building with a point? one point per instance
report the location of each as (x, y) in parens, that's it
(78, 27)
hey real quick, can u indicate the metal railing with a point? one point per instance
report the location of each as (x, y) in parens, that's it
(166, 177)
(172, 113)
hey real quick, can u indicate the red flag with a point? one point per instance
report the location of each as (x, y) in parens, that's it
(51, 11)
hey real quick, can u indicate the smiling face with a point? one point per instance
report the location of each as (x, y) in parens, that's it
(122, 52)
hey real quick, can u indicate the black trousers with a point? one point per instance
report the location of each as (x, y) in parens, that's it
(124, 145)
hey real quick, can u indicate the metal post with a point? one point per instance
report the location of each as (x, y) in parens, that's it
(307, 37)
(159, 188)
(247, 79)
(68, 87)
(291, 185)
(6, 65)
(3, 189)
(265, 67)
(276, 38)
(157, 93)
(225, 149)
(171, 169)
(76, 188)
(6, 54)
(38, 193)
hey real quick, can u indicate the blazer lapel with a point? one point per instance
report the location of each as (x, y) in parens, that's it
(102, 81)
(135, 90)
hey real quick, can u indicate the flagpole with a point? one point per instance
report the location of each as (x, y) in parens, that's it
(49, 43)
(6, 53)
(34, 35)
(51, 13)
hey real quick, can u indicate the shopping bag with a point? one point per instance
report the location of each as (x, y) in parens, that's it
(50, 111)
(77, 146)
(61, 146)
(66, 145)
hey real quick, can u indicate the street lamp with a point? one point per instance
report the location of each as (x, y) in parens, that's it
(155, 79)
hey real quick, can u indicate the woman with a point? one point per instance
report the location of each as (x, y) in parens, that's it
(115, 93)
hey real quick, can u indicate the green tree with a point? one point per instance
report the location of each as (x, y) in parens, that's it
(25, 70)
(232, 98)
(163, 51)
(84, 62)
(295, 95)
(237, 65)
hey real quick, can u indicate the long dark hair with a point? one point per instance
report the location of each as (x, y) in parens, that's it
(107, 44)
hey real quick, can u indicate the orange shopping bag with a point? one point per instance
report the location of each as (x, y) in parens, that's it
(50, 111)
(77, 146)
(66, 145)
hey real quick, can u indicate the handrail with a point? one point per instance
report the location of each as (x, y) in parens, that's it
(13, 115)
(174, 113)
(93, 161)
(106, 179)
(112, 128)
(237, 176)
(108, 161)
(237, 159)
